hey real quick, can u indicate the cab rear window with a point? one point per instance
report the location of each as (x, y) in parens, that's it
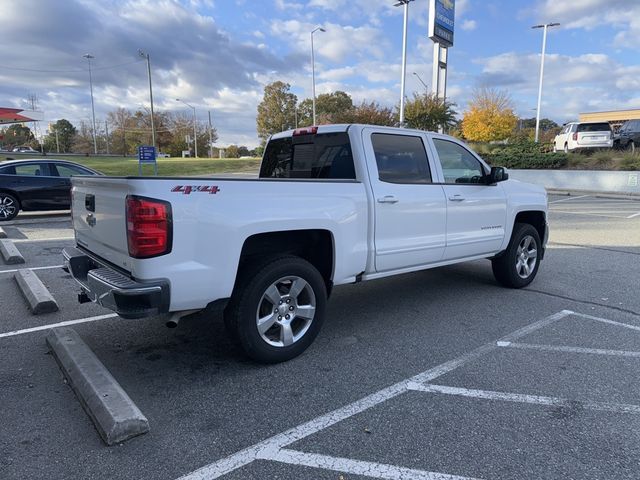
(594, 127)
(325, 155)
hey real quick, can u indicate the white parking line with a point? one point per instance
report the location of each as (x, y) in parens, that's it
(356, 467)
(634, 215)
(54, 325)
(568, 198)
(31, 268)
(272, 445)
(52, 239)
(610, 322)
(563, 348)
(588, 214)
(523, 398)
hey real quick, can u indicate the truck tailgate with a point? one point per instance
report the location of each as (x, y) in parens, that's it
(99, 217)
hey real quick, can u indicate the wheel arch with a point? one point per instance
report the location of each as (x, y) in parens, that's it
(14, 193)
(316, 246)
(536, 218)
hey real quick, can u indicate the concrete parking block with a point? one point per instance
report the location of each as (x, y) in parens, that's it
(113, 412)
(3, 234)
(10, 253)
(34, 291)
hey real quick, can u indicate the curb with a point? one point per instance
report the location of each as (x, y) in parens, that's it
(10, 252)
(592, 193)
(113, 413)
(3, 234)
(34, 291)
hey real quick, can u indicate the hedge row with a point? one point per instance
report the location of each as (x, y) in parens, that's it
(526, 159)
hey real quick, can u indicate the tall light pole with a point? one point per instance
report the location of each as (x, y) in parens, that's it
(313, 71)
(544, 47)
(210, 137)
(424, 84)
(195, 134)
(405, 4)
(153, 128)
(93, 109)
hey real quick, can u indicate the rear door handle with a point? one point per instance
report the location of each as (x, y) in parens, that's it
(388, 199)
(456, 198)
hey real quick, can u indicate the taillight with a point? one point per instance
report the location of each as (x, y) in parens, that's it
(575, 137)
(149, 227)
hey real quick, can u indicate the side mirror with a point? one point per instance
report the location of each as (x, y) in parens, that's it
(498, 174)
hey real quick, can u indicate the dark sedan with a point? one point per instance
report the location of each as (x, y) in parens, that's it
(628, 137)
(35, 185)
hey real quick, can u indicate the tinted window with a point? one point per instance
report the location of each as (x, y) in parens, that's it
(327, 155)
(69, 170)
(594, 127)
(9, 170)
(401, 158)
(458, 164)
(30, 169)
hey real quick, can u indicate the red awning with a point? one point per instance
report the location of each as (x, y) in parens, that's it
(17, 115)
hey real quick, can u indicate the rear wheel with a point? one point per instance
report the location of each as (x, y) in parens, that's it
(9, 206)
(277, 308)
(631, 147)
(518, 265)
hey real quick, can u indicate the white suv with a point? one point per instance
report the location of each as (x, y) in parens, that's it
(580, 136)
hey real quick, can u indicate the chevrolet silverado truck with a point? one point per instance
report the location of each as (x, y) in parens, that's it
(332, 205)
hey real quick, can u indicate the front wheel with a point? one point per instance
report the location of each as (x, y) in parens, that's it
(9, 207)
(277, 308)
(518, 265)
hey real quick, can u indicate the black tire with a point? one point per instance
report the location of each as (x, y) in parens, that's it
(506, 268)
(566, 148)
(631, 147)
(9, 206)
(249, 299)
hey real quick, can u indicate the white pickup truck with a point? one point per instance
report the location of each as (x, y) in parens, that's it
(333, 205)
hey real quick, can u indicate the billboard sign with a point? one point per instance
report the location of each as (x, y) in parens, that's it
(441, 21)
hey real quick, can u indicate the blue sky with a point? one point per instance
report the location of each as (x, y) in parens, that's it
(218, 54)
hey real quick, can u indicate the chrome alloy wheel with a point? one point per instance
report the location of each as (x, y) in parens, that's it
(285, 311)
(7, 206)
(526, 256)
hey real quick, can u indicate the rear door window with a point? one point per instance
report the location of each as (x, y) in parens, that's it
(322, 156)
(32, 169)
(401, 158)
(594, 127)
(69, 170)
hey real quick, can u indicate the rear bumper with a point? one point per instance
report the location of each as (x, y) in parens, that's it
(108, 287)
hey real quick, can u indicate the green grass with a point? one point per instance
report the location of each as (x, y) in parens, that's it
(167, 167)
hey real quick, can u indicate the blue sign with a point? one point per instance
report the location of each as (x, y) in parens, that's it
(146, 154)
(442, 21)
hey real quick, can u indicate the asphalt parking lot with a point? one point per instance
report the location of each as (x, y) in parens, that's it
(439, 374)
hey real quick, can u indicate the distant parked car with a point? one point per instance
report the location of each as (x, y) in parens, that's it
(583, 136)
(34, 185)
(25, 150)
(628, 137)
(162, 155)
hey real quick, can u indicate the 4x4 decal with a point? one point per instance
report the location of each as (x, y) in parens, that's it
(187, 189)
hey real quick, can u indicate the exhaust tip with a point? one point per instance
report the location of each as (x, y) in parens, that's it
(171, 324)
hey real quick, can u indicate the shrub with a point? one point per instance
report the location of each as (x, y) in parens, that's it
(629, 161)
(525, 154)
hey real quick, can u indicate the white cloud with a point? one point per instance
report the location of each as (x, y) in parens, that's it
(469, 25)
(337, 43)
(572, 84)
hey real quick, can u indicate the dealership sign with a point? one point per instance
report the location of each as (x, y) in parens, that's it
(441, 21)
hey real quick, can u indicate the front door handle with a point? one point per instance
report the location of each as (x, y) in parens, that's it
(388, 199)
(456, 198)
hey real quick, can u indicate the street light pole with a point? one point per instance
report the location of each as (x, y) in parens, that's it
(93, 109)
(195, 134)
(424, 84)
(210, 137)
(313, 72)
(153, 128)
(544, 47)
(404, 3)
